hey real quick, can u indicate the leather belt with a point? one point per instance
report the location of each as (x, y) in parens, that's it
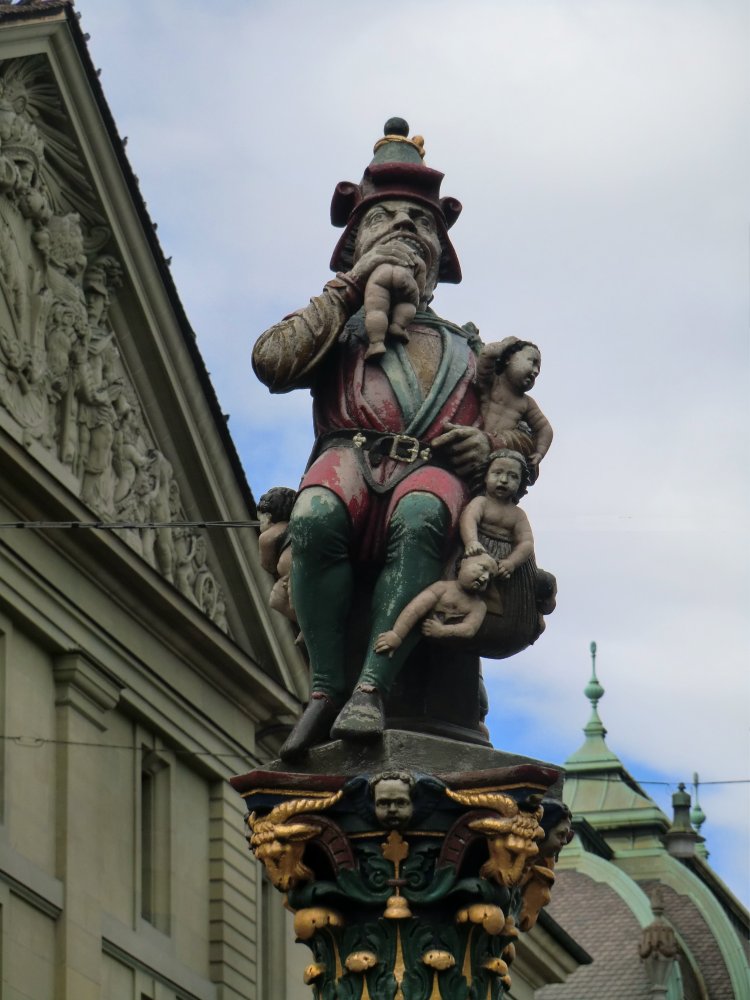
(400, 447)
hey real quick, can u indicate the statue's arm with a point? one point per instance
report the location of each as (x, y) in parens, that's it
(523, 541)
(541, 429)
(468, 526)
(415, 610)
(465, 629)
(286, 355)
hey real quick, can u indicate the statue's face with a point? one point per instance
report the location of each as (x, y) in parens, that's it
(393, 805)
(556, 839)
(475, 572)
(407, 221)
(503, 479)
(524, 367)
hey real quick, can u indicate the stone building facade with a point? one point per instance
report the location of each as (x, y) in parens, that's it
(139, 667)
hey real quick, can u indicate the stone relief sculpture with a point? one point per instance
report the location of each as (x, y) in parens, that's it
(405, 424)
(63, 380)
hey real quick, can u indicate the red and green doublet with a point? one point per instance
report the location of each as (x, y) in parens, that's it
(383, 395)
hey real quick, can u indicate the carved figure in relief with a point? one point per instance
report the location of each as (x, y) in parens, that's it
(160, 542)
(61, 375)
(274, 510)
(184, 553)
(397, 441)
(392, 798)
(449, 609)
(128, 455)
(21, 391)
(391, 298)
(506, 371)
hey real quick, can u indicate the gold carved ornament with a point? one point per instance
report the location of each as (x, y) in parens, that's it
(280, 843)
(535, 893)
(512, 835)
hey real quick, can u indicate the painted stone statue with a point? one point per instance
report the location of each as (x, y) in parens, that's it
(400, 441)
(506, 371)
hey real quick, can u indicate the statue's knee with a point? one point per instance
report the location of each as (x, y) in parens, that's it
(419, 518)
(318, 521)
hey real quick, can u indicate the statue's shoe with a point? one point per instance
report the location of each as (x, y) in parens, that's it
(313, 726)
(362, 717)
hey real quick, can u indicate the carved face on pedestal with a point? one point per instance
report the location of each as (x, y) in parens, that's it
(393, 804)
(407, 221)
(556, 838)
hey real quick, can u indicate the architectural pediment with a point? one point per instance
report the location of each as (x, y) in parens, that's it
(101, 381)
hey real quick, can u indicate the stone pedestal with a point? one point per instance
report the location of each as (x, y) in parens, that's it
(411, 865)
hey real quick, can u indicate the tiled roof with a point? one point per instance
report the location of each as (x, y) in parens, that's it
(27, 8)
(682, 912)
(598, 919)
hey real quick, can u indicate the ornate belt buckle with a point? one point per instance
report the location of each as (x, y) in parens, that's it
(404, 448)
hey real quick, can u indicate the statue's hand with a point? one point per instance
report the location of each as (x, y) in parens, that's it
(475, 549)
(466, 448)
(504, 569)
(386, 642)
(432, 628)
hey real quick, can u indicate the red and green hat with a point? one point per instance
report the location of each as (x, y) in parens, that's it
(396, 171)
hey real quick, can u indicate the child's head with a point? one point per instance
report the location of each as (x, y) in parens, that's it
(475, 572)
(557, 823)
(277, 504)
(505, 459)
(521, 360)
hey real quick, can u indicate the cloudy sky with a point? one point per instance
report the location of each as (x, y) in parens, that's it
(601, 151)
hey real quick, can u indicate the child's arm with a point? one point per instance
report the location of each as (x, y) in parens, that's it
(416, 609)
(541, 428)
(468, 525)
(523, 546)
(268, 544)
(487, 357)
(465, 629)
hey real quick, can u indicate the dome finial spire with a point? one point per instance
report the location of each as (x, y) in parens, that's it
(698, 818)
(594, 692)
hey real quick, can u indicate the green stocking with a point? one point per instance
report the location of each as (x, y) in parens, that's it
(415, 555)
(322, 580)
